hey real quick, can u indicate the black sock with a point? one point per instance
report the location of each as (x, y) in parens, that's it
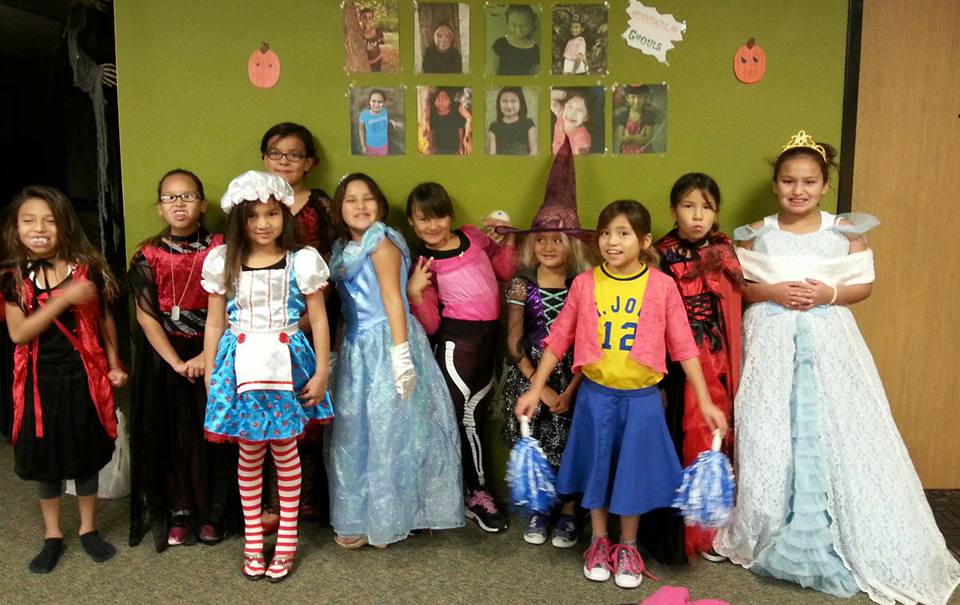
(99, 549)
(47, 559)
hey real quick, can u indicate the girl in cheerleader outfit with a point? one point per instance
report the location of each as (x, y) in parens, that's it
(393, 454)
(182, 482)
(265, 384)
(624, 316)
(827, 496)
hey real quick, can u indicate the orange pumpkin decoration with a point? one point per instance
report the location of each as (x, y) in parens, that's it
(750, 62)
(263, 68)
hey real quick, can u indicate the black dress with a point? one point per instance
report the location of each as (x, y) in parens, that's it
(173, 468)
(75, 444)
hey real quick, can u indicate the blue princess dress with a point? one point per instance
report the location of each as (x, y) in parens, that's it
(827, 496)
(263, 360)
(393, 465)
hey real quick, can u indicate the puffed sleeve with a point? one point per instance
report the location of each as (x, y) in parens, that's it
(310, 270)
(212, 274)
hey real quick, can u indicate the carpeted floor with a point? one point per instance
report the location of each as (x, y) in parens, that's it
(461, 566)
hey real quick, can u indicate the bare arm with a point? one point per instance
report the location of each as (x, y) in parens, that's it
(386, 262)
(108, 335)
(212, 332)
(362, 137)
(532, 140)
(316, 388)
(157, 337)
(491, 143)
(25, 328)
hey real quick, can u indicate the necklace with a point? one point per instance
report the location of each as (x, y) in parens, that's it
(175, 309)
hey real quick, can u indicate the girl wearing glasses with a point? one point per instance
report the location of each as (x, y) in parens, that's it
(183, 484)
(289, 150)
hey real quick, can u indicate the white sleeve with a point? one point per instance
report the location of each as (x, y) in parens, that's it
(310, 270)
(211, 275)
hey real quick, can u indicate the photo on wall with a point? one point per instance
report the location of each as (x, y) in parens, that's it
(640, 118)
(513, 35)
(577, 112)
(512, 111)
(441, 41)
(371, 39)
(376, 121)
(579, 34)
(444, 120)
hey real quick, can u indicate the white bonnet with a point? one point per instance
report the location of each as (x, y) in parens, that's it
(256, 185)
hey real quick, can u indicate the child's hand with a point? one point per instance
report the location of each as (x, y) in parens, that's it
(714, 417)
(794, 295)
(193, 368)
(526, 404)
(117, 376)
(820, 292)
(549, 397)
(491, 224)
(419, 279)
(314, 391)
(79, 292)
(564, 402)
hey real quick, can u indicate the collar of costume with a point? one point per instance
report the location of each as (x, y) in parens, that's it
(256, 185)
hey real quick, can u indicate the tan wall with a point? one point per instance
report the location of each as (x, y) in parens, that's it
(907, 172)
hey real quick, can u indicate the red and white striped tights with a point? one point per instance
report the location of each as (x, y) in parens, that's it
(250, 477)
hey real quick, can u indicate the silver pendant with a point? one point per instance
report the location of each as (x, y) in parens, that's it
(175, 312)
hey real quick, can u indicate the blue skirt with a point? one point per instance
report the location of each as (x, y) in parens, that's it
(619, 454)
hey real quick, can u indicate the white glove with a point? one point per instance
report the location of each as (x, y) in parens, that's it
(404, 374)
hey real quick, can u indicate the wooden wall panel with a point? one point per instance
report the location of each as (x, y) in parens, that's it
(907, 172)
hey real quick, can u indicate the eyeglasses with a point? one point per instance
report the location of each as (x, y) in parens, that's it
(293, 156)
(188, 197)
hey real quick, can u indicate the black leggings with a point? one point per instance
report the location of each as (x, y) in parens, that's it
(86, 486)
(465, 351)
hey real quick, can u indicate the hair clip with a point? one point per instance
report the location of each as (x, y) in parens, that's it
(802, 139)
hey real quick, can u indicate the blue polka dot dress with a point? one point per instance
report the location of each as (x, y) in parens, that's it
(263, 359)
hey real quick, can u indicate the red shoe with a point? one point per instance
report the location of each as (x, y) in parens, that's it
(209, 534)
(177, 535)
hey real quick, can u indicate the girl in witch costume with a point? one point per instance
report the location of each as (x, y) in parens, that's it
(826, 494)
(65, 363)
(265, 384)
(701, 260)
(552, 255)
(182, 482)
(455, 294)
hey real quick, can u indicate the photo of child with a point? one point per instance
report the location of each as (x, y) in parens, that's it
(640, 119)
(376, 118)
(442, 40)
(371, 38)
(513, 31)
(514, 131)
(577, 113)
(444, 119)
(579, 33)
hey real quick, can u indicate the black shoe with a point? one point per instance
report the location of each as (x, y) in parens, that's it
(481, 508)
(47, 559)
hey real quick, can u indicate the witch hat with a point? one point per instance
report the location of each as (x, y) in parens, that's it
(559, 209)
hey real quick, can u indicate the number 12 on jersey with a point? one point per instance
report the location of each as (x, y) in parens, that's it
(626, 333)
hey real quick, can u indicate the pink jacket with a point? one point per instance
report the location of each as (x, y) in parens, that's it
(466, 285)
(662, 325)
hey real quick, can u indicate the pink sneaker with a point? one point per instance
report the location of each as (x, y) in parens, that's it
(596, 565)
(628, 566)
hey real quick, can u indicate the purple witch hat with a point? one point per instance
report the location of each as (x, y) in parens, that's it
(559, 209)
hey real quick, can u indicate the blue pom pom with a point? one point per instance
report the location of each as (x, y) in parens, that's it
(705, 496)
(531, 478)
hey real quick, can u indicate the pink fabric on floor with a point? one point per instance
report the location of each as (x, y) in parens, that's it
(677, 595)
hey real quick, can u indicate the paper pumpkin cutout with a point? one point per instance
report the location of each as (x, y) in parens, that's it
(750, 62)
(263, 68)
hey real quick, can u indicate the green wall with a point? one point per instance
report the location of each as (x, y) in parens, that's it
(185, 101)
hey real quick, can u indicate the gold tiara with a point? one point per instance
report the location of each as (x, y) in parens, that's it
(802, 139)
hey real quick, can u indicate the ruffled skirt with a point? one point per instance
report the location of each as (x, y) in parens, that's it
(260, 415)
